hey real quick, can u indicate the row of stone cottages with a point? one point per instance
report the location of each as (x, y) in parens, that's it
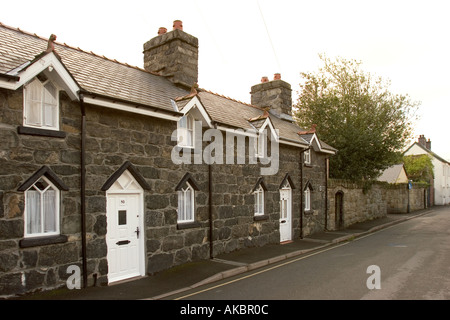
(94, 173)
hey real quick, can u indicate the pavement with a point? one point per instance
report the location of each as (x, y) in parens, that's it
(194, 274)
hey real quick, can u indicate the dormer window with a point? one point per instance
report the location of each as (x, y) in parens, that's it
(186, 131)
(307, 156)
(41, 104)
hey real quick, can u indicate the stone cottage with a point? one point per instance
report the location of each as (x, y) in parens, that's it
(118, 172)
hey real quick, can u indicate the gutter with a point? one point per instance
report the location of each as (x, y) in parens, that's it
(83, 188)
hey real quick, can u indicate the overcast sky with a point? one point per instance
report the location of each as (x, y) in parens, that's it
(406, 42)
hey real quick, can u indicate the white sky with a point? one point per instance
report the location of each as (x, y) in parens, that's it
(405, 42)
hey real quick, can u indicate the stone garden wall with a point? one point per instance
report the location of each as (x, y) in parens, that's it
(362, 202)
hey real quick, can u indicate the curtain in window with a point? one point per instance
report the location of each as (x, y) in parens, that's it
(180, 205)
(186, 131)
(33, 103)
(33, 203)
(41, 208)
(259, 201)
(49, 207)
(188, 208)
(50, 105)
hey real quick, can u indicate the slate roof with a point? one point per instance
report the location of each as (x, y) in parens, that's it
(95, 74)
(101, 76)
(391, 174)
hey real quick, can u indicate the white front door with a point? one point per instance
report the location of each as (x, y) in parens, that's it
(285, 215)
(124, 236)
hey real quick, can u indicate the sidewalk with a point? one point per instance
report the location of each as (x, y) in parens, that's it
(195, 274)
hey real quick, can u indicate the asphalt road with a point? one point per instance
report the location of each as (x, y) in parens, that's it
(408, 261)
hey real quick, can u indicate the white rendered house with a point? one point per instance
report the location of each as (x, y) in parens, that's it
(441, 185)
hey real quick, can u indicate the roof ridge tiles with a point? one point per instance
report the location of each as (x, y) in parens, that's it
(232, 99)
(78, 48)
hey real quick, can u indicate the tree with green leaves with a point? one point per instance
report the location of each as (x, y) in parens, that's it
(356, 114)
(419, 168)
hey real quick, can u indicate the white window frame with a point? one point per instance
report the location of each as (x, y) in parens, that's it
(259, 201)
(41, 210)
(307, 193)
(43, 101)
(307, 156)
(183, 204)
(186, 131)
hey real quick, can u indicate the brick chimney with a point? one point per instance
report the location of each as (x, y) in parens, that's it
(276, 94)
(173, 54)
(428, 145)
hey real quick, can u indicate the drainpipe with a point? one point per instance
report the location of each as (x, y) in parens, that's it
(83, 189)
(211, 249)
(326, 194)
(301, 191)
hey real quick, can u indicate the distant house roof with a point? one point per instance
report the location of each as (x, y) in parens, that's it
(428, 151)
(105, 78)
(394, 174)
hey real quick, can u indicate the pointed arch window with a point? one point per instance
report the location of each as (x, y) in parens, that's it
(186, 190)
(42, 203)
(259, 196)
(186, 204)
(307, 196)
(42, 209)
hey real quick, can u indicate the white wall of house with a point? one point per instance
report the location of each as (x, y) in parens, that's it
(441, 175)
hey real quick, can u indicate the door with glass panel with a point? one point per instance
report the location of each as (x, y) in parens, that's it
(285, 215)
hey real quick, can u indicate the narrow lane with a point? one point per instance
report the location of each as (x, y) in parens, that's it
(413, 259)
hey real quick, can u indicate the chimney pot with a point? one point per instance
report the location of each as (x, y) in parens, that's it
(277, 76)
(178, 24)
(162, 30)
(264, 79)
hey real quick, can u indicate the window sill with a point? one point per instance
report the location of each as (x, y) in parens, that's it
(188, 225)
(260, 217)
(40, 132)
(42, 241)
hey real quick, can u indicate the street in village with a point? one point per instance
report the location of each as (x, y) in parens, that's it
(412, 259)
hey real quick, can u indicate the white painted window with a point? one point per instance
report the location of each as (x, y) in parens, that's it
(307, 156)
(42, 209)
(186, 131)
(186, 204)
(259, 201)
(307, 199)
(41, 105)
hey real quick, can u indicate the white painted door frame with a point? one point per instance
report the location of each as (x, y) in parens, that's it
(125, 229)
(285, 214)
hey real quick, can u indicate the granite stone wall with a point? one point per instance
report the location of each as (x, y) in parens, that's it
(30, 265)
(367, 201)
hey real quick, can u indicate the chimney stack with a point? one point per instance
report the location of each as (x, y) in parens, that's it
(276, 94)
(174, 55)
(422, 141)
(429, 144)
